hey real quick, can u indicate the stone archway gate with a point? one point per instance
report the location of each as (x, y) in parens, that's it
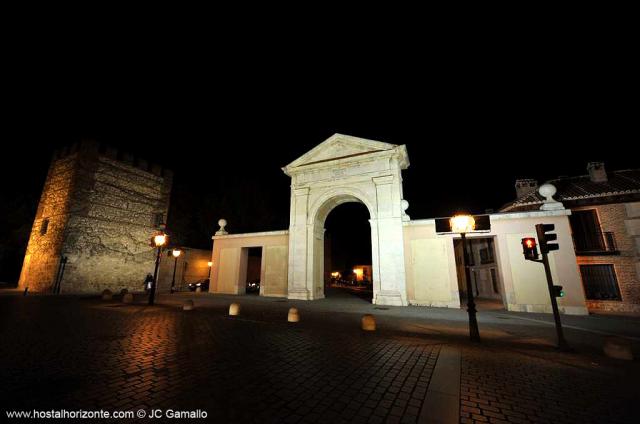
(339, 170)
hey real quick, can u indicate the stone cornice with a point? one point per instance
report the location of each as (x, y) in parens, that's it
(342, 162)
(259, 234)
(362, 150)
(499, 216)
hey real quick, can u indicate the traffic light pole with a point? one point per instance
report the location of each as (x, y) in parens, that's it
(562, 343)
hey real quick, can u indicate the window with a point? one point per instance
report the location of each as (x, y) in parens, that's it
(600, 282)
(44, 226)
(587, 234)
(486, 253)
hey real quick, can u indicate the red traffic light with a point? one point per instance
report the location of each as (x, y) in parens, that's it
(530, 248)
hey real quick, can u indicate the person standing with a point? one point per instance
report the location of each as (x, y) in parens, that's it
(148, 281)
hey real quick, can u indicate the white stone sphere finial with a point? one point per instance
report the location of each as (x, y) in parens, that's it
(548, 191)
(405, 205)
(222, 223)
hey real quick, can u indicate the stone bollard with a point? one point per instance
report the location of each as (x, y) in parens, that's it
(127, 298)
(106, 294)
(368, 322)
(234, 309)
(188, 305)
(618, 348)
(123, 292)
(198, 289)
(293, 315)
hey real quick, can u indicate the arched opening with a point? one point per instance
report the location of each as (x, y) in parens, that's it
(347, 252)
(351, 214)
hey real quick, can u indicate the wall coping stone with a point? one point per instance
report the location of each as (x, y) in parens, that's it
(258, 234)
(499, 216)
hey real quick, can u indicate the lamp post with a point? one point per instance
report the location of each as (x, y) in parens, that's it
(209, 264)
(158, 241)
(176, 254)
(463, 224)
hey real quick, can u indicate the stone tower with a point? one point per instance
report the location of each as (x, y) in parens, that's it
(98, 210)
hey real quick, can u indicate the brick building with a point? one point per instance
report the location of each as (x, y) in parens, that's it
(98, 209)
(605, 225)
(191, 266)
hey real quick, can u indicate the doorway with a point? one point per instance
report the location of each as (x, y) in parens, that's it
(254, 270)
(488, 290)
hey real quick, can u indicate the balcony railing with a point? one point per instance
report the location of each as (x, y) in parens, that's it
(597, 243)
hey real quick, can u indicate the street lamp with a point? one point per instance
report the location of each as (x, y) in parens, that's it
(209, 264)
(157, 241)
(176, 254)
(463, 224)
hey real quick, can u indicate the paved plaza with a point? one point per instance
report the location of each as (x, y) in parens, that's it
(84, 353)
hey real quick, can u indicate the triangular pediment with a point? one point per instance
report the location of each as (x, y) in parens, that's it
(339, 146)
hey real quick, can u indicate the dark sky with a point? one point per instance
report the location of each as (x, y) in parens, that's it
(472, 124)
(466, 144)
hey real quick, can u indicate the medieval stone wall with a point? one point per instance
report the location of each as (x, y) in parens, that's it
(113, 208)
(42, 256)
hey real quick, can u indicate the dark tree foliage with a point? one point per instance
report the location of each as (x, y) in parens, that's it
(17, 211)
(247, 203)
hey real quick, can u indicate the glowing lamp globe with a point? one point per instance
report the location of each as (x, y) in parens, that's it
(462, 224)
(176, 252)
(160, 240)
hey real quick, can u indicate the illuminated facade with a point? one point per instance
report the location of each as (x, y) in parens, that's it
(605, 228)
(97, 211)
(411, 263)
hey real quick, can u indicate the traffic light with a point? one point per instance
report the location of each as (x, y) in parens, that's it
(557, 291)
(545, 236)
(530, 248)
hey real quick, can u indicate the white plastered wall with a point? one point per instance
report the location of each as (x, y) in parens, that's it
(431, 273)
(229, 257)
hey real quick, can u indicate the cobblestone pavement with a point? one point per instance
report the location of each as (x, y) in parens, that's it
(511, 387)
(72, 352)
(79, 353)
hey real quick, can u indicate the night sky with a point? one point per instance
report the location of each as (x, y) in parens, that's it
(471, 128)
